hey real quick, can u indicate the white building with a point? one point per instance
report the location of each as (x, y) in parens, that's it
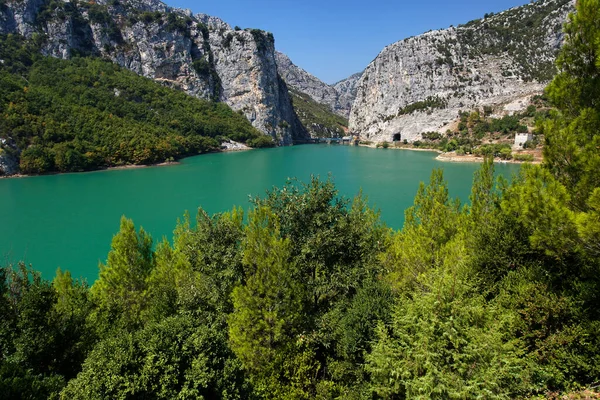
(521, 139)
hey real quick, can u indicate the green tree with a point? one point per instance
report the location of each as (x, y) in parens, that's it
(267, 309)
(44, 337)
(446, 342)
(180, 357)
(572, 139)
(430, 224)
(121, 286)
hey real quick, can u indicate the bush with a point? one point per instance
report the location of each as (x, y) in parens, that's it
(87, 113)
(431, 135)
(505, 154)
(202, 67)
(523, 157)
(262, 142)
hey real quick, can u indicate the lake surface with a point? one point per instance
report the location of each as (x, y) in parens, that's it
(68, 220)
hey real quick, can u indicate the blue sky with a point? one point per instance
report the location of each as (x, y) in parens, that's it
(333, 39)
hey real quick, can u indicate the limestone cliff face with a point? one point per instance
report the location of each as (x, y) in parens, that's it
(338, 97)
(8, 163)
(420, 84)
(198, 54)
(346, 89)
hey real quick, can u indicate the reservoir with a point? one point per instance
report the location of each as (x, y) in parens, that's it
(68, 220)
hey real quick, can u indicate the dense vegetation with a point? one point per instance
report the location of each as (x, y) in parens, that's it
(480, 134)
(87, 113)
(311, 296)
(318, 119)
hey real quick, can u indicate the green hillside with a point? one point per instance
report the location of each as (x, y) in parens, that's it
(317, 118)
(88, 113)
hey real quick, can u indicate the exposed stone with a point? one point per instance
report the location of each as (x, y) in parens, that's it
(421, 83)
(230, 145)
(200, 54)
(346, 89)
(339, 98)
(8, 163)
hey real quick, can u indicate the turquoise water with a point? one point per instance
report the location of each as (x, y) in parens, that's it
(68, 220)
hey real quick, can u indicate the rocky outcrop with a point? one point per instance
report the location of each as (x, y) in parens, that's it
(8, 161)
(421, 83)
(346, 89)
(338, 98)
(198, 54)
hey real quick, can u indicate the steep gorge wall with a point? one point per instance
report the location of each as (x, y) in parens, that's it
(421, 83)
(338, 97)
(198, 54)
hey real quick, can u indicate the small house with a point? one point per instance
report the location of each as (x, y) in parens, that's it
(521, 139)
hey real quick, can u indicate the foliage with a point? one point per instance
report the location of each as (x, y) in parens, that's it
(446, 342)
(572, 138)
(317, 118)
(179, 357)
(262, 141)
(85, 113)
(523, 157)
(313, 297)
(264, 40)
(430, 103)
(121, 286)
(43, 335)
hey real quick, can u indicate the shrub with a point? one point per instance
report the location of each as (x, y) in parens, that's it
(202, 67)
(523, 157)
(505, 154)
(227, 40)
(262, 142)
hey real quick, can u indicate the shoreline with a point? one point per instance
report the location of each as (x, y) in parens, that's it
(374, 146)
(453, 157)
(441, 156)
(449, 157)
(127, 166)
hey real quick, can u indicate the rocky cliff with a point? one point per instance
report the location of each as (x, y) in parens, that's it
(419, 84)
(338, 97)
(198, 54)
(346, 89)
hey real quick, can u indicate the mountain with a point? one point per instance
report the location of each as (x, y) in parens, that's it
(316, 117)
(421, 83)
(338, 97)
(86, 113)
(347, 89)
(199, 54)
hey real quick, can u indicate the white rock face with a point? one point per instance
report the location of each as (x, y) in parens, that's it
(8, 164)
(346, 89)
(250, 82)
(199, 54)
(338, 97)
(297, 78)
(421, 83)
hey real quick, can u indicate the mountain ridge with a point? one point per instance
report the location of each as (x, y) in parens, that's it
(420, 83)
(198, 54)
(338, 97)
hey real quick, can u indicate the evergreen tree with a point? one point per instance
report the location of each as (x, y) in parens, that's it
(121, 286)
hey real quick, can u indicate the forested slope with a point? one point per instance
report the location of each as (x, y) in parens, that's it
(87, 113)
(311, 296)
